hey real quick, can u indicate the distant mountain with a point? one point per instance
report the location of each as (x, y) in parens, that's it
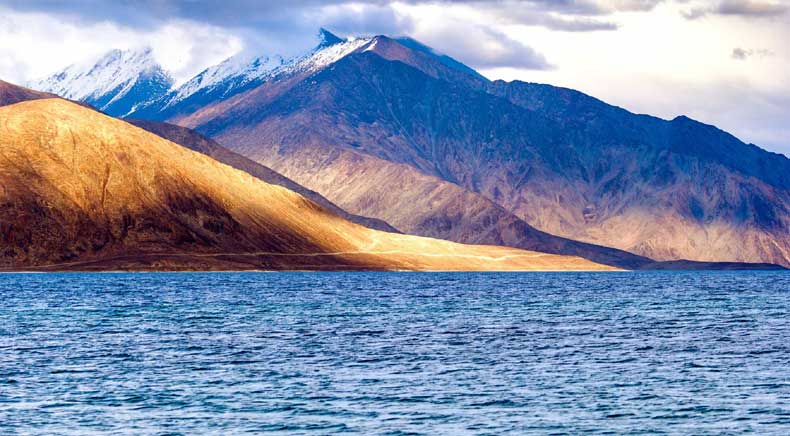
(366, 185)
(81, 190)
(564, 162)
(364, 121)
(235, 74)
(116, 84)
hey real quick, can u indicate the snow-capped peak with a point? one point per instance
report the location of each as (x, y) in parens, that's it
(131, 83)
(242, 70)
(115, 72)
(324, 55)
(327, 38)
(234, 72)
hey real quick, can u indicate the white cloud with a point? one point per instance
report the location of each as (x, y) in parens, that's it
(463, 33)
(662, 64)
(35, 44)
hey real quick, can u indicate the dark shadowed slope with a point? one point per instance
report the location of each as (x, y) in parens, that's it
(197, 142)
(10, 94)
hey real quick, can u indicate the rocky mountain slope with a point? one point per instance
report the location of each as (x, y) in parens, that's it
(81, 190)
(420, 204)
(563, 162)
(197, 142)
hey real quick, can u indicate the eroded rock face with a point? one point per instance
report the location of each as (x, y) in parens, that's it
(81, 190)
(561, 161)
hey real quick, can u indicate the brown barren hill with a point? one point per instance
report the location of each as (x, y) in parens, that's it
(10, 94)
(81, 190)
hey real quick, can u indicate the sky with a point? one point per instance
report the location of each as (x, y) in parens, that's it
(722, 62)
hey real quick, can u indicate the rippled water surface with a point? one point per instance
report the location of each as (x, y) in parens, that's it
(676, 353)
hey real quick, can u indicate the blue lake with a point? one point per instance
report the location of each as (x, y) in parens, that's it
(381, 353)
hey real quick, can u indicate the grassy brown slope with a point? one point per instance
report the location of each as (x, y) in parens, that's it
(81, 190)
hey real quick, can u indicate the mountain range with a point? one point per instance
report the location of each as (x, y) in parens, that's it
(388, 128)
(80, 190)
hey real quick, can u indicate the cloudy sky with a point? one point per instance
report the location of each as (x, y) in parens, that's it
(723, 62)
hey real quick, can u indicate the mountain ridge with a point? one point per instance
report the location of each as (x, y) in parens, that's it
(11, 94)
(82, 190)
(708, 225)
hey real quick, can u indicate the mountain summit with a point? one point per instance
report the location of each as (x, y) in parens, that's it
(116, 83)
(239, 73)
(327, 38)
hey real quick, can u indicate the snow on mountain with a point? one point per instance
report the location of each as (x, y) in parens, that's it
(131, 83)
(116, 83)
(325, 55)
(232, 73)
(329, 50)
(242, 72)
